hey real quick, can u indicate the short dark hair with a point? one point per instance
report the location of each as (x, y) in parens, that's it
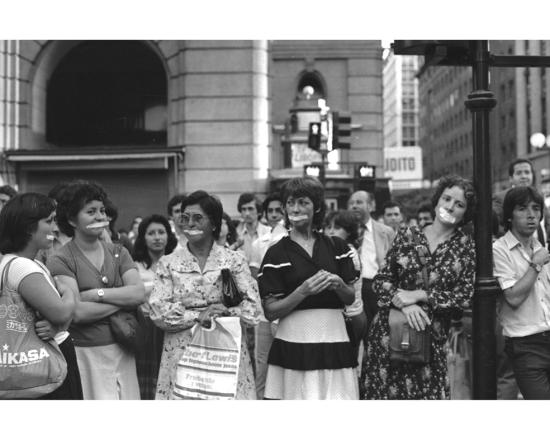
(232, 229)
(245, 198)
(347, 221)
(19, 219)
(466, 186)
(517, 162)
(75, 196)
(210, 204)
(270, 198)
(56, 190)
(390, 204)
(176, 200)
(425, 207)
(517, 196)
(8, 190)
(306, 187)
(140, 252)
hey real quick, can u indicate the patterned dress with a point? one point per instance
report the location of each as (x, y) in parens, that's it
(181, 291)
(451, 269)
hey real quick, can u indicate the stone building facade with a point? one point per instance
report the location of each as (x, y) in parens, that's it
(149, 119)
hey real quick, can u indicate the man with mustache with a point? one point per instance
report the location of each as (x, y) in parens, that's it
(375, 242)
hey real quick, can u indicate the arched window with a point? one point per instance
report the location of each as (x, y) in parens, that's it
(314, 83)
(107, 93)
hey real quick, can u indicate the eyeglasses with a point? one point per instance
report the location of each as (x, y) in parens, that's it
(197, 218)
(277, 210)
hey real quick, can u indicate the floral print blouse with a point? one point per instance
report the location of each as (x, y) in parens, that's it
(181, 290)
(451, 269)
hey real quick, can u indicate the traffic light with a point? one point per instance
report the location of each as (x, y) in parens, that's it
(341, 130)
(365, 177)
(366, 170)
(312, 170)
(314, 136)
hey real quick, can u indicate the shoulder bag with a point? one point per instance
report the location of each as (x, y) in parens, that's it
(124, 323)
(231, 297)
(408, 345)
(29, 367)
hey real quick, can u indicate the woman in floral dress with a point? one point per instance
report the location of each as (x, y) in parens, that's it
(188, 289)
(451, 268)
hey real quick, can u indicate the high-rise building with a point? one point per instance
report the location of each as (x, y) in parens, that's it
(400, 100)
(522, 109)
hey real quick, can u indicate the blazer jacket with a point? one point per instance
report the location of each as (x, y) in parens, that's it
(383, 239)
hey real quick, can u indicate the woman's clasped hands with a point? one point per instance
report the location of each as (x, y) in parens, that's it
(211, 312)
(322, 280)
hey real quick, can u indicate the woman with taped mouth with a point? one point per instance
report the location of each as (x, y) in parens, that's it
(306, 279)
(188, 289)
(104, 279)
(449, 256)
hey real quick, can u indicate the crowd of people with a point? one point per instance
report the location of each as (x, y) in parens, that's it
(318, 288)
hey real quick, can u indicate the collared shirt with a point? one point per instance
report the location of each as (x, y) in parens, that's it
(264, 242)
(369, 266)
(248, 238)
(511, 262)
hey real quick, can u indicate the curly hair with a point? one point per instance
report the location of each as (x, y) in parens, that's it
(469, 194)
(141, 253)
(73, 198)
(231, 229)
(19, 220)
(306, 187)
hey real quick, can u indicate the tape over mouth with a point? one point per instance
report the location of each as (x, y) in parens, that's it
(446, 216)
(50, 237)
(297, 218)
(192, 232)
(98, 225)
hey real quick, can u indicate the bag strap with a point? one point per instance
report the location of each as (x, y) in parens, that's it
(422, 253)
(4, 279)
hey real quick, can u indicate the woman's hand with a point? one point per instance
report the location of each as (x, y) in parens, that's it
(336, 282)
(316, 283)
(213, 311)
(417, 318)
(403, 298)
(44, 330)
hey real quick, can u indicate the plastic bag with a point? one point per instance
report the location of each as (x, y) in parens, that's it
(209, 366)
(458, 365)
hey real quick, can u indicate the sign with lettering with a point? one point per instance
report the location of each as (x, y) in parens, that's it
(209, 366)
(404, 166)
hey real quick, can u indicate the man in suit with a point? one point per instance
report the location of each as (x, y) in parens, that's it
(377, 239)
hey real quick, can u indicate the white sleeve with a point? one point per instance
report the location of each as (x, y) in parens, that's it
(20, 268)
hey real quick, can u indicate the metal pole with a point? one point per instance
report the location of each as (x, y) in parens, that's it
(322, 171)
(480, 102)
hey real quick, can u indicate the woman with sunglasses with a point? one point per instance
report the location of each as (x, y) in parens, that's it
(188, 289)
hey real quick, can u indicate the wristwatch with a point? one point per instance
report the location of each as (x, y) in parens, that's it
(537, 267)
(100, 294)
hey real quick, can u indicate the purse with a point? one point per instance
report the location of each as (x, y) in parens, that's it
(124, 323)
(29, 367)
(231, 296)
(408, 345)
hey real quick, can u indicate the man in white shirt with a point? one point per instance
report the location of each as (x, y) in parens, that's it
(377, 239)
(272, 208)
(520, 265)
(250, 227)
